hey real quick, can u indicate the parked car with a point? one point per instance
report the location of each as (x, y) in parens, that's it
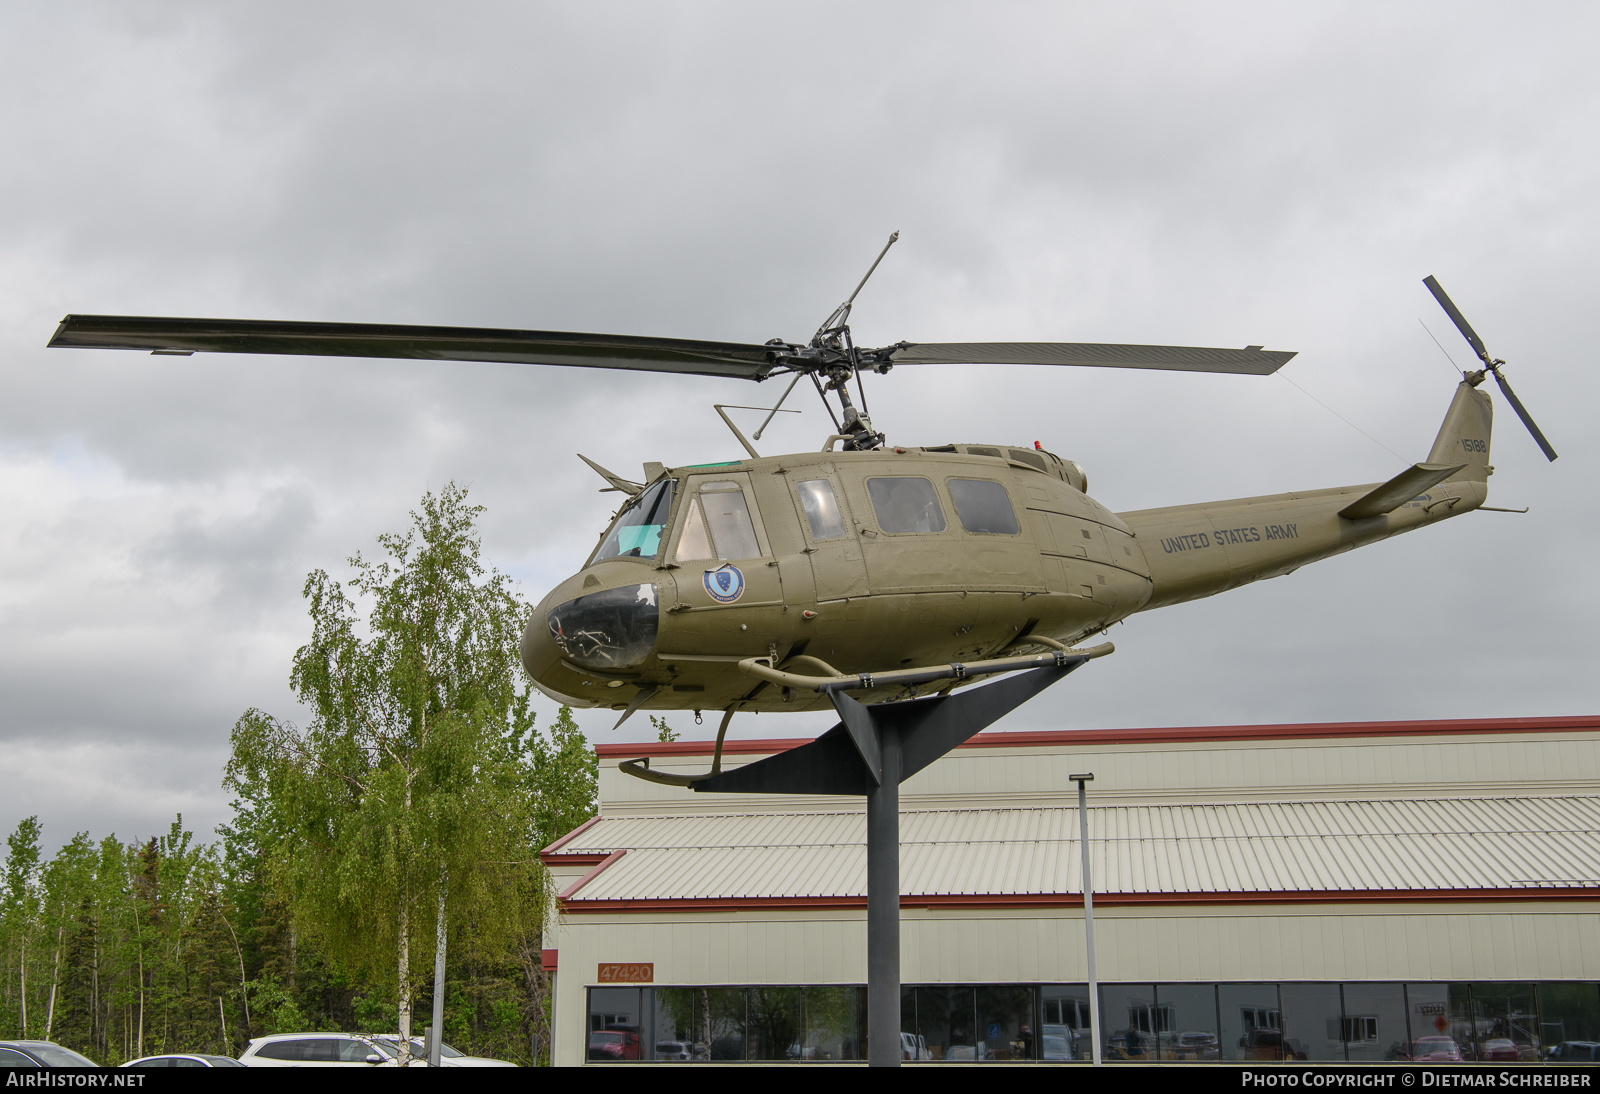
(318, 1050)
(675, 1050)
(1189, 1045)
(1500, 1048)
(40, 1054)
(613, 1044)
(1431, 1050)
(448, 1056)
(1058, 1042)
(184, 1059)
(913, 1046)
(1571, 1052)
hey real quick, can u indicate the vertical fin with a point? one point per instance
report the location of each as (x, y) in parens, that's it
(1464, 435)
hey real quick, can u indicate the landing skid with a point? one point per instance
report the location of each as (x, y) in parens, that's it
(826, 761)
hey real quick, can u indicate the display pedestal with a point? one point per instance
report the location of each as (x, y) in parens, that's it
(871, 752)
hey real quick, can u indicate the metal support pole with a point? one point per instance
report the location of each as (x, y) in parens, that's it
(883, 906)
(1088, 913)
(870, 751)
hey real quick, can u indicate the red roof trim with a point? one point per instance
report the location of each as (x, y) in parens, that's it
(1075, 900)
(590, 876)
(1173, 735)
(558, 843)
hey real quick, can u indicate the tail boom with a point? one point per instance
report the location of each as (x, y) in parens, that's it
(1196, 551)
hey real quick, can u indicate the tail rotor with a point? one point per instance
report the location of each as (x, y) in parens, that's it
(1490, 364)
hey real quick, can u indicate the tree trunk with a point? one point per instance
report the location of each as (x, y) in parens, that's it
(438, 971)
(244, 994)
(405, 954)
(55, 981)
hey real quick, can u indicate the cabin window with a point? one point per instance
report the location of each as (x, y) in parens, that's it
(718, 525)
(822, 509)
(906, 505)
(637, 531)
(984, 507)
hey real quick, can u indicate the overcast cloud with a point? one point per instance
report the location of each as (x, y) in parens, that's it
(1215, 174)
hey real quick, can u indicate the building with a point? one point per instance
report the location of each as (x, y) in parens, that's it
(1355, 891)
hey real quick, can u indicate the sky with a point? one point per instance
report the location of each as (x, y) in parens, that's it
(1220, 174)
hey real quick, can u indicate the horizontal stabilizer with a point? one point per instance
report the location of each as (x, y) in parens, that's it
(1399, 490)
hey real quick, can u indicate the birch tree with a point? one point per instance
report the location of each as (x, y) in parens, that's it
(407, 802)
(19, 904)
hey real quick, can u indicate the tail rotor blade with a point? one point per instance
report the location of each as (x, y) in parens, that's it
(1527, 419)
(1460, 320)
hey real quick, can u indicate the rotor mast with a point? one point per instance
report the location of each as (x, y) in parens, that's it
(843, 360)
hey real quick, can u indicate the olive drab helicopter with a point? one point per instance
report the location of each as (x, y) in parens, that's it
(886, 572)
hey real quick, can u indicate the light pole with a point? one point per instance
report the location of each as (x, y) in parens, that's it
(1088, 912)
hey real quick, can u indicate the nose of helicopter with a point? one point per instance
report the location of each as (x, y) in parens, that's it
(611, 629)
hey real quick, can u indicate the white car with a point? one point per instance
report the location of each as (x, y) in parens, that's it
(448, 1057)
(318, 1050)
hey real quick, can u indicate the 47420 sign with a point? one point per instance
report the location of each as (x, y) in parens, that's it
(626, 972)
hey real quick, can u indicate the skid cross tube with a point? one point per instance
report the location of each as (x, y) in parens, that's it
(871, 752)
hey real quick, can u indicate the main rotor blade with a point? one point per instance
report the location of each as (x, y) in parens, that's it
(1527, 419)
(534, 347)
(1457, 318)
(1252, 360)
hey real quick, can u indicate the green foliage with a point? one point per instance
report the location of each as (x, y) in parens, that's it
(371, 1010)
(421, 764)
(565, 780)
(22, 867)
(420, 775)
(275, 1008)
(664, 732)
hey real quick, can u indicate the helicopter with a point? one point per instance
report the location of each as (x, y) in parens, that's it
(883, 572)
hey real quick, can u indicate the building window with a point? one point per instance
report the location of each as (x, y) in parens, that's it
(1490, 1023)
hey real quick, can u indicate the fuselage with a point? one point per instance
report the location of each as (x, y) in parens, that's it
(903, 557)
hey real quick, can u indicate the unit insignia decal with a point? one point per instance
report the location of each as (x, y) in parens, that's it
(725, 583)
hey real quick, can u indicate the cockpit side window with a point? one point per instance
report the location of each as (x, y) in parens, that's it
(728, 516)
(693, 543)
(717, 525)
(906, 505)
(638, 528)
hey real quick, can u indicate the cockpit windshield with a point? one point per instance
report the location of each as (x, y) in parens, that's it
(637, 532)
